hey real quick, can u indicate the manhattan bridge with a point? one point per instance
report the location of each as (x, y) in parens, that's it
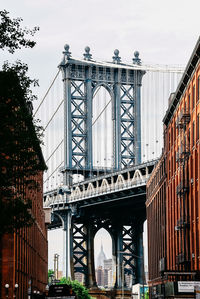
(103, 135)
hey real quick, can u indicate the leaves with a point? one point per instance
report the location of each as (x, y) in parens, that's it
(19, 148)
(80, 291)
(12, 36)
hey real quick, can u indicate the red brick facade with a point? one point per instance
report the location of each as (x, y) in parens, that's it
(183, 176)
(156, 219)
(181, 196)
(25, 253)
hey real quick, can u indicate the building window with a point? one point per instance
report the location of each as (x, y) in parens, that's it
(189, 139)
(198, 88)
(193, 97)
(189, 103)
(172, 135)
(198, 127)
(172, 165)
(193, 133)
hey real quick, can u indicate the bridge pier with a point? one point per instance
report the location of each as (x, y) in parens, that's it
(140, 255)
(118, 257)
(66, 218)
(91, 279)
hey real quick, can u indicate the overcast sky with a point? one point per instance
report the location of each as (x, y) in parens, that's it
(164, 32)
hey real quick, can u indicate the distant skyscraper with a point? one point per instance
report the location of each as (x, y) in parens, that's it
(101, 258)
(108, 264)
(100, 276)
(104, 270)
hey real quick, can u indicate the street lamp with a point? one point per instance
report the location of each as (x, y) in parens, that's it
(47, 290)
(6, 287)
(30, 289)
(15, 290)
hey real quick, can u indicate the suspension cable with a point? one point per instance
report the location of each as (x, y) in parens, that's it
(101, 112)
(54, 150)
(53, 172)
(53, 117)
(53, 114)
(46, 93)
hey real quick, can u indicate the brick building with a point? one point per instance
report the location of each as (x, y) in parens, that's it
(24, 252)
(156, 218)
(173, 236)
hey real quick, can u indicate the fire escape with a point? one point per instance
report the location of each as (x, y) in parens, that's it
(182, 189)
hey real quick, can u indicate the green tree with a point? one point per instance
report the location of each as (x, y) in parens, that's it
(50, 272)
(50, 275)
(19, 148)
(146, 295)
(19, 138)
(12, 35)
(20, 134)
(80, 291)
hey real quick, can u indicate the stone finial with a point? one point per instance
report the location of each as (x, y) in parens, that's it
(136, 59)
(116, 58)
(87, 55)
(66, 53)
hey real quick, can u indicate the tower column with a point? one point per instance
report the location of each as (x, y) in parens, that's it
(118, 257)
(117, 122)
(91, 280)
(140, 255)
(138, 115)
(88, 87)
(67, 243)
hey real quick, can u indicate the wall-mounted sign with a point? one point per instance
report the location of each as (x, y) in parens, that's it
(187, 286)
(61, 291)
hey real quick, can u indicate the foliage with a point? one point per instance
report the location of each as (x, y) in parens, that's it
(50, 273)
(19, 147)
(20, 135)
(12, 36)
(80, 291)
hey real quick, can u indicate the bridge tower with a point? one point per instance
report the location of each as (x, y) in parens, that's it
(82, 219)
(81, 79)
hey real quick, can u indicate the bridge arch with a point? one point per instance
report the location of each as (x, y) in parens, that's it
(120, 180)
(104, 184)
(137, 175)
(106, 86)
(90, 188)
(103, 256)
(102, 126)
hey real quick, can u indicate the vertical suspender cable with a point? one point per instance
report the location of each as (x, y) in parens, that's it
(105, 128)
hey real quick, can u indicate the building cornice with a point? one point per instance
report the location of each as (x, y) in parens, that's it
(187, 75)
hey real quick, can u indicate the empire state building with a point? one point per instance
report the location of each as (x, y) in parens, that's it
(101, 258)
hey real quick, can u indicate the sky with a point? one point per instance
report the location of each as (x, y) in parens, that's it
(164, 32)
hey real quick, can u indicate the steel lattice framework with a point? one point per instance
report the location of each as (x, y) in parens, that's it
(81, 80)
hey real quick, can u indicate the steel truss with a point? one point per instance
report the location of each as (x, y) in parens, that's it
(81, 79)
(79, 233)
